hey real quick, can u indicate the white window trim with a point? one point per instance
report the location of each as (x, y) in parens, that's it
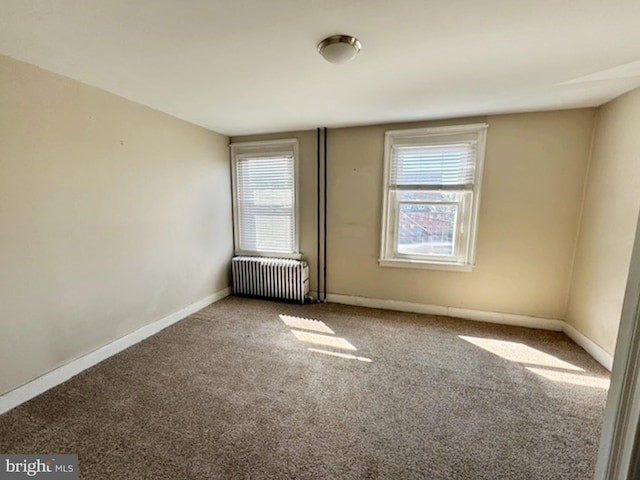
(397, 136)
(268, 146)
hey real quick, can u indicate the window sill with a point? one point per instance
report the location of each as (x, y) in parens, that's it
(293, 256)
(403, 263)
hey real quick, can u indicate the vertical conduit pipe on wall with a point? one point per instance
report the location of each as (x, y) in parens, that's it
(321, 163)
(324, 216)
(318, 233)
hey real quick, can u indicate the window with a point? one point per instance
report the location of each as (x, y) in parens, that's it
(264, 198)
(431, 192)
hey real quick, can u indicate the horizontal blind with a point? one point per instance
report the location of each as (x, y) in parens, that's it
(265, 195)
(433, 165)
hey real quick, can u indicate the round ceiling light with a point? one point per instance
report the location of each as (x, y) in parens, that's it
(339, 48)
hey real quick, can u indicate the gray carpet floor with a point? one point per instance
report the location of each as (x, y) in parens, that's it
(233, 392)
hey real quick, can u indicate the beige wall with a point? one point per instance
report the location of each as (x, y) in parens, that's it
(611, 205)
(112, 215)
(531, 195)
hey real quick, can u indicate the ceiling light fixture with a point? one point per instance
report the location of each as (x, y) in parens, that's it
(339, 48)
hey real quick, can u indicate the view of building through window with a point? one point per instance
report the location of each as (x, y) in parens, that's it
(427, 221)
(426, 229)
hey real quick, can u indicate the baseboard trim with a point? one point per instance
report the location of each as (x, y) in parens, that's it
(61, 374)
(600, 355)
(467, 314)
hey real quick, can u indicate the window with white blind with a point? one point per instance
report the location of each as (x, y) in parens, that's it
(264, 198)
(431, 194)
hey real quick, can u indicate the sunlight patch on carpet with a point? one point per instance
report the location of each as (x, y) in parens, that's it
(325, 340)
(572, 378)
(519, 352)
(306, 324)
(339, 354)
(316, 332)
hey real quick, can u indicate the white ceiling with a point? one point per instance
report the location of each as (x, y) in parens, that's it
(241, 66)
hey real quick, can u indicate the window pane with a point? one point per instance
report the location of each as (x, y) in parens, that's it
(426, 229)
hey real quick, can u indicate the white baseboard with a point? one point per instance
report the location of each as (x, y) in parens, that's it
(601, 356)
(61, 374)
(467, 314)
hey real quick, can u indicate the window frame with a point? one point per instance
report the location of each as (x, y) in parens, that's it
(465, 260)
(265, 148)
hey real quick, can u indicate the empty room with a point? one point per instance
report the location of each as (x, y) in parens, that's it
(335, 240)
